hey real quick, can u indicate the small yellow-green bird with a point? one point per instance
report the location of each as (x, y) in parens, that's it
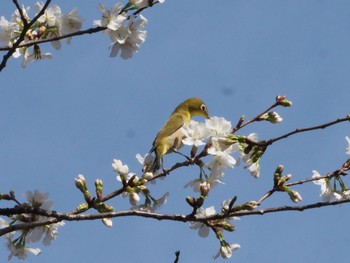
(169, 138)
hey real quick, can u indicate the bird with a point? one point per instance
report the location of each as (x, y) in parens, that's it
(169, 138)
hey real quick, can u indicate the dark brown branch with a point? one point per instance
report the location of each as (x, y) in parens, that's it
(55, 217)
(287, 208)
(41, 41)
(177, 256)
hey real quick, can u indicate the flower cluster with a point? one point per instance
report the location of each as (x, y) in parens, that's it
(329, 190)
(226, 149)
(333, 190)
(217, 226)
(125, 32)
(17, 241)
(49, 25)
(134, 186)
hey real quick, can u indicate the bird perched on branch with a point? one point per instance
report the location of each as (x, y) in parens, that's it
(169, 137)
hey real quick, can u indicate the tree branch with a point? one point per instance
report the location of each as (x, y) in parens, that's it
(56, 38)
(55, 217)
(322, 126)
(41, 41)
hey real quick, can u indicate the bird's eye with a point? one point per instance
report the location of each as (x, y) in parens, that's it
(203, 107)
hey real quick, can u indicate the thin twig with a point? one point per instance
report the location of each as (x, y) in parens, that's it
(322, 126)
(177, 256)
(241, 124)
(41, 41)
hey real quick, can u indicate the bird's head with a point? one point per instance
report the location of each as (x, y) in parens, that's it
(197, 107)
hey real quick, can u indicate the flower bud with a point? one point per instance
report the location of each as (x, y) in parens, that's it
(251, 205)
(277, 175)
(134, 198)
(190, 200)
(274, 117)
(107, 222)
(226, 225)
(204, 188)
(82, 208)
(103, 208)
(41, 31)
(5, 197)
(146, 177)
(80, 183)
(99, 188)
(281, 100)
(295, 196)
(200, 200)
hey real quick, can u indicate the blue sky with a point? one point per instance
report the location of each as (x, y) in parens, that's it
(77, 112)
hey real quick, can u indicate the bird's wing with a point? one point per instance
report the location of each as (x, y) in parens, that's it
(175, 122)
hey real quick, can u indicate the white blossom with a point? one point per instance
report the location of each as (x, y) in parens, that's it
(16, 19)
(134, 198)
(51, 232)
(226, 250)
(195, 133)
(222, 158)
(112, 19)
(38, 199)
(119, 167)
(19, 251)
(51, 16)
(152, 208)
(218, 126)
(57, 24)
(147, 159)
(211, 181)
(345, 194)
(3, 223)
(254, 169)
(128, 38)
(30, 57)
(6, 32)
(195, 184)
(326, 190)
(70, 23)
(128, 177)
(347, 149)
(203, 229)
(253, 166)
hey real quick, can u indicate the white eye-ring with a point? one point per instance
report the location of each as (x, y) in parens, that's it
(203, 107)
